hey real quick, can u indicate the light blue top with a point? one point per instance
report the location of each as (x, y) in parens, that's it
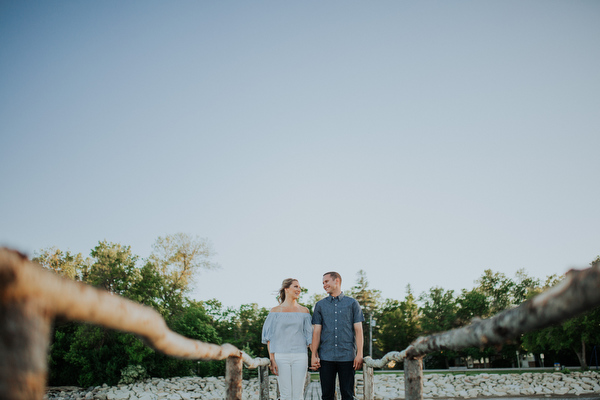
(288, 332)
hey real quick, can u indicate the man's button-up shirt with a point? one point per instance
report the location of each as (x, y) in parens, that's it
(337, 316)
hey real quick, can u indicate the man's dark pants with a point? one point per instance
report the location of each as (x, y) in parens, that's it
(345, 371)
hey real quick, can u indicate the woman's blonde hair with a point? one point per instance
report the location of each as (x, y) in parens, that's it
(284, 285)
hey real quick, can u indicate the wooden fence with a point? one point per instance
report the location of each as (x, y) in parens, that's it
(31, 297)
(577, 293)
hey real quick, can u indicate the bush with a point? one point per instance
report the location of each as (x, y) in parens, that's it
(132, 374)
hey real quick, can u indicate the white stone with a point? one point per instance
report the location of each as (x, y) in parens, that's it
(118, 395)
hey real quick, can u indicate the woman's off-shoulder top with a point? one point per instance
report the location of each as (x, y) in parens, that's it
(288, 332)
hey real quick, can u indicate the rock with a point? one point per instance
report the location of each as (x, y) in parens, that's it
(387, 386)
(118, 395)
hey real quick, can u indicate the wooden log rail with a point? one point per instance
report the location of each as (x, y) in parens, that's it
(31, 297)
(577, 293)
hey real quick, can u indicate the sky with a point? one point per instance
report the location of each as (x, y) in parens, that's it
(420, 141)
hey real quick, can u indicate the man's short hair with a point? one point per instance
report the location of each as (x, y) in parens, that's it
(334, 275)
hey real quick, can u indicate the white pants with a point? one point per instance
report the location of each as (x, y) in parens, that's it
(292, 374)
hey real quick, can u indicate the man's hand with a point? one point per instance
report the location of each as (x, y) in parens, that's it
(315, 362)
(358, 360)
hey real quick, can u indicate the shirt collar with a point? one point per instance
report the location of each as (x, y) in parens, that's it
(339, 298)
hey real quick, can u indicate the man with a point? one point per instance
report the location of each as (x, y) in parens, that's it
(337, 343)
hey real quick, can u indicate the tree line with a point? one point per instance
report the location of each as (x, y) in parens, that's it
(86, 355)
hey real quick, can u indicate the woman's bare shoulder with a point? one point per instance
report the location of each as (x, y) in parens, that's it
(305, 310)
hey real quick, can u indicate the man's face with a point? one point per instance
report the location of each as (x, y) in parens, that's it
(329, 284)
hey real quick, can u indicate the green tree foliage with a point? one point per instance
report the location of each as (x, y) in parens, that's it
(495, 292)
(149, 288)
(86, 355)
(240, 327)
(497, 288)
(73, 266)
(61, 371)
(366, 297)
(193, 322)
(574, 335)
(113, 268)
(525, 287)
(470, 305)
(398, 323)
(98, 354)
(438, 314)
(369, 302)
(178, 259)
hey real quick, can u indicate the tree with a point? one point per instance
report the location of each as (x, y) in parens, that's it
(72, 266)
(369, 302)
(113, 268)
(575, 335)
(196, 323)
(438, 314)
(241, 327)
(498, 289)
(525, 286)
(178, 258)
(398, 323)
(470, 305)
(367, 298)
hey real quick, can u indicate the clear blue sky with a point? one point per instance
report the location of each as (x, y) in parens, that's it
(423, 142)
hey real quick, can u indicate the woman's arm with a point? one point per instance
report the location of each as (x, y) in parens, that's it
(274, 369)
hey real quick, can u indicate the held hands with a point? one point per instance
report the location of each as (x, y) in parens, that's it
(358, 360)
(315, 362)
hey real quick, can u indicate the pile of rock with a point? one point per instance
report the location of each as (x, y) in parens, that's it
(389, 387)
(187, 388)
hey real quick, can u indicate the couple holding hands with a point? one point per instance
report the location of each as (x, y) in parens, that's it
(334, 335)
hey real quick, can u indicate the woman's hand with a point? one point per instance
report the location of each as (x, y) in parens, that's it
(273, 365)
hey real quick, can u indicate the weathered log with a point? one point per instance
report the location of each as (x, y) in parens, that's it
(577, 293)
(413, 378)
(24, 281)
(233, 378)
(263, 381)
(24, 341)
(369, 382)
(31, 297)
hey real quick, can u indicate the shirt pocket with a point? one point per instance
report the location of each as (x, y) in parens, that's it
(345, 315)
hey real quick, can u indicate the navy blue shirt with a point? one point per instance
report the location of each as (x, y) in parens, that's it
(337, 316)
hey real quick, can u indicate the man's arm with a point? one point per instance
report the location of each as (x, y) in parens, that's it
(358, 335)
(315, 362)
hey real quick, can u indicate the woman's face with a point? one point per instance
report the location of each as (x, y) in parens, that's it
(294, 291)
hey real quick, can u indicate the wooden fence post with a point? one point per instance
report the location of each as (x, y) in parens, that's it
(413, 378)
(233, 378)
(369, 388)
(263, 381)
(24, 341)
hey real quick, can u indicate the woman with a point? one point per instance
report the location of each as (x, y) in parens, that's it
(287, 332)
